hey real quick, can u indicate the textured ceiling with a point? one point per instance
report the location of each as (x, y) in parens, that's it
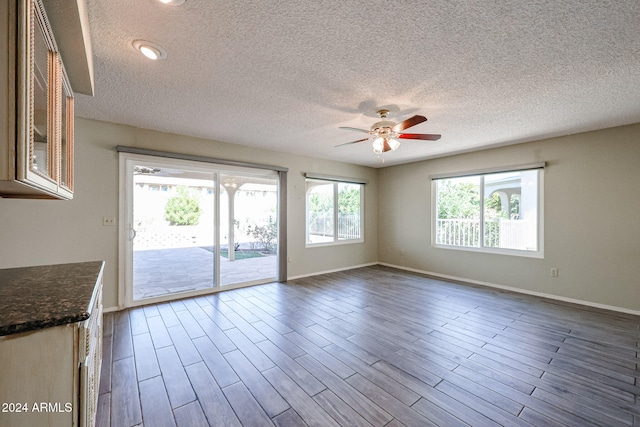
(284, 75)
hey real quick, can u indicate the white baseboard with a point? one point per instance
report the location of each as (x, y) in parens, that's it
(110, 309)
(518, 290)
(317, 273)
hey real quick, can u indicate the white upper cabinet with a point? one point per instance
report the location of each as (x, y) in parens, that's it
(36, 105)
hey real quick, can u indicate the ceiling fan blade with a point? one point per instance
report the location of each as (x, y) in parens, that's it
(411, 121)
(352, 142)
(355, 129)
(425, 136)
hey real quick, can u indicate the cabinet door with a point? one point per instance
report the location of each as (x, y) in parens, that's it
(44, 139)
(40, 368)
(65, 140)
(36, 141)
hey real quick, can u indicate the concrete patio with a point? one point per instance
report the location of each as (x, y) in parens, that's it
(160, 272)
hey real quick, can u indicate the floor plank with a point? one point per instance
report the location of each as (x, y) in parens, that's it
(125, 401)
(340, 411)
(352, 397)
(158, 331)
(122, 342)
(301, 376)
(388, 402)
(289, 418)
(214, 405)
(270, 400)
(176, 381)
(138, 321)
(146, 361)
(156, 410)
(190, 415)
(248, 410)
(306, 407)
(217, 364)
(184, 345)
(103, 415)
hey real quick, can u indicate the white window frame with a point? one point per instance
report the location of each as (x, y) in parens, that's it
(539, 253)
(336, 181)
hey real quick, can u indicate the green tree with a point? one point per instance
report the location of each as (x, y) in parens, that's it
(320, 202)
(183, 209)
(493, 208)
(514, 206)
(458, 200)
(348, 199)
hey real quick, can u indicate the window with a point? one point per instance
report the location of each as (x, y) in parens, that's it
(334, 212)
(498, 212)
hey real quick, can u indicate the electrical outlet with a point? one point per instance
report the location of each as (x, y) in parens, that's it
(554, 272)
(109, 220)
(402, 252)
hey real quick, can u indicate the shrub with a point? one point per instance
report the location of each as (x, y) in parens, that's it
(265, 234)
(183, 209)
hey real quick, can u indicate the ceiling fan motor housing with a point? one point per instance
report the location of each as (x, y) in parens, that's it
(383, 126)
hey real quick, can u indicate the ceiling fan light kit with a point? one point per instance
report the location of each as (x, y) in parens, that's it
(386, 133)
(381, 145)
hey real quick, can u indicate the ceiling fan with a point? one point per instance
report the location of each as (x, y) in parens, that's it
(385, 133)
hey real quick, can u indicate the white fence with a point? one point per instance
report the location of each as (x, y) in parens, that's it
(458, 232)
(182, 236)
(321, 224)
(502, 233)
(172, 236)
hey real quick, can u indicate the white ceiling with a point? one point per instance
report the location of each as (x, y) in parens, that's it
(284, 75)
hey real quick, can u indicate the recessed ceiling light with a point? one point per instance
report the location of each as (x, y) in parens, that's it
(150, 50)
(172, 2)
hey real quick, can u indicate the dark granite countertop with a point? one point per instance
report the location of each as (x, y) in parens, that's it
(39, 297)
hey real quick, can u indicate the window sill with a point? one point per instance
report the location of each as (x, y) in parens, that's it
(494, 251)
(337, 243)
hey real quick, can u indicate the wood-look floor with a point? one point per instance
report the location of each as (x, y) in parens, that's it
(369, 347)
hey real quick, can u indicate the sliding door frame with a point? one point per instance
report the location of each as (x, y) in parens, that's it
(217, 166)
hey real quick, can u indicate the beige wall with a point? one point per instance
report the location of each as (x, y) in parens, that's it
(36, 232)
(591, 216)
(592, 206)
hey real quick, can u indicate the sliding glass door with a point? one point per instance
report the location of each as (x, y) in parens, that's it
(190, 228)
(248, 227)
